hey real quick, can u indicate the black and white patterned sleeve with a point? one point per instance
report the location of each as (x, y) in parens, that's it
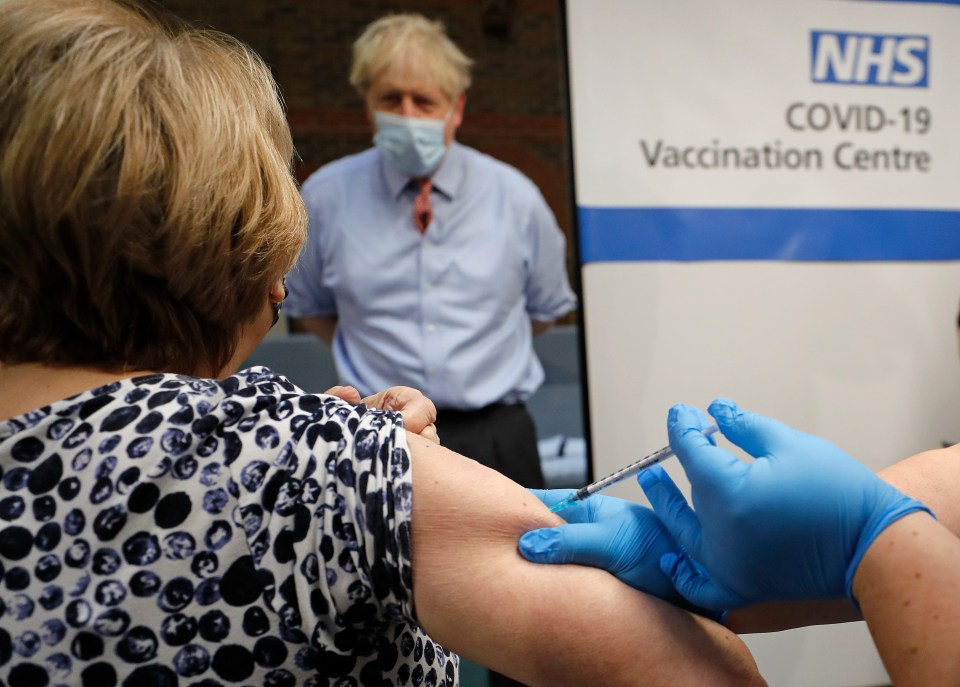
(330, 522)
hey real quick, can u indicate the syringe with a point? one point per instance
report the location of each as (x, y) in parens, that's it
(620, 475)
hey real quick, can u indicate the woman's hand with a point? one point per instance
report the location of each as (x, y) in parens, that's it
(418, 412)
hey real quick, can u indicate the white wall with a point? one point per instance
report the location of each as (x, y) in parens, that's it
(863, 354)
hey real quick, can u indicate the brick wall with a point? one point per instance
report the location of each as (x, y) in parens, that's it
(515, 107)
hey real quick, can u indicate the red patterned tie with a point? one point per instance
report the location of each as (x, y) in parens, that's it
(422, 210)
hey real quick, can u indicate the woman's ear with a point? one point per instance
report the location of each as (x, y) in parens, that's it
(278, 291)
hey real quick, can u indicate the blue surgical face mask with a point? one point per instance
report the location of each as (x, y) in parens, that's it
(413, 145)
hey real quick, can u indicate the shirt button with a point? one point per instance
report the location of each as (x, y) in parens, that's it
(431, 328)
(432, 370)
(427, 287)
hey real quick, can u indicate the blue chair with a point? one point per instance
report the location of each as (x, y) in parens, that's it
(557, 405)
(473, 675)
(302, 358)
(557, 409)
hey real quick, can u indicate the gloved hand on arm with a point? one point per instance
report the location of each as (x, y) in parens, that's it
(792, 524)
(620, 536)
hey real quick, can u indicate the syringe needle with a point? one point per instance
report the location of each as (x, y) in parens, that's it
(621, 474)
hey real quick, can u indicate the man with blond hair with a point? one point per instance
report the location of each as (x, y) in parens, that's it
(430, 264)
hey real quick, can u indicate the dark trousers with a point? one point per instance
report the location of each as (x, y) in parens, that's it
(502, 437)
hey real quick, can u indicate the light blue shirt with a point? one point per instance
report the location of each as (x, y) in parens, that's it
(447, 312)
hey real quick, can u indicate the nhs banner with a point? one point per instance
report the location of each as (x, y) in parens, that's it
(693, 120)
(869, 59)
(768, 205)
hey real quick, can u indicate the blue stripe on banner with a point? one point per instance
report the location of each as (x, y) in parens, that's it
(929, 2)
(638, 234)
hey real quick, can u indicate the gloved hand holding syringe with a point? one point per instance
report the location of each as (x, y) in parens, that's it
(620, 475)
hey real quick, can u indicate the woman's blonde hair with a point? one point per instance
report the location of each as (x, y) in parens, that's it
(409, 43)
(146, 199)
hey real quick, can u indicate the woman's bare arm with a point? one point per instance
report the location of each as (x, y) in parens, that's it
(541, 624)
(908, 590)
(932, 477)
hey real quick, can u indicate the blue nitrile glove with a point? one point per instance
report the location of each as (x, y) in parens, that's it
(793, 524)
(622, 537)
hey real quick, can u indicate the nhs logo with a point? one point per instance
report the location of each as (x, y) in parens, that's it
(869, 59)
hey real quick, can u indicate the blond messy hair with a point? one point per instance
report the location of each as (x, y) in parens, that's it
(409, 43)
(146, 198)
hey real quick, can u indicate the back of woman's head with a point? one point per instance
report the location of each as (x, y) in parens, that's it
(146, 200)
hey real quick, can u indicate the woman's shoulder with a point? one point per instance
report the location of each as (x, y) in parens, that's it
(251, 391)
(256, 409)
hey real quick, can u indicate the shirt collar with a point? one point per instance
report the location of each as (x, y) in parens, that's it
(447, 179)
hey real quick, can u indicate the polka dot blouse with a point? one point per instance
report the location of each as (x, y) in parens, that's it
(167, 530)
